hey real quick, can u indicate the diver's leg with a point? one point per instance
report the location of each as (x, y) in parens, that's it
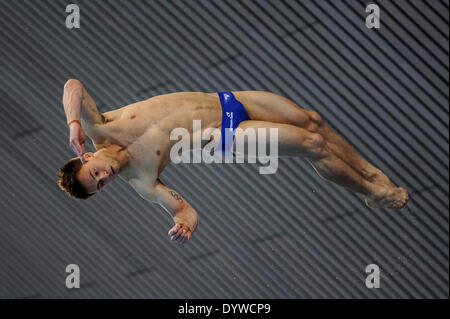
(267, 106)
(296, 141)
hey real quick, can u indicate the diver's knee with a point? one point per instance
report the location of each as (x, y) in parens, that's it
(318, 146)
(315, 117)
(315, 121)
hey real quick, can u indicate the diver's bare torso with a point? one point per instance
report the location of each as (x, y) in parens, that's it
(144, 128)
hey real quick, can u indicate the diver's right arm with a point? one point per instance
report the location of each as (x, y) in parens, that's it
(80, 110)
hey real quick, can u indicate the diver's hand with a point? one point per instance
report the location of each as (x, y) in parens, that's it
(77, 139)
(181, 232)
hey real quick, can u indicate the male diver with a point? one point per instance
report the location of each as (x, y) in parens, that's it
(133, 142)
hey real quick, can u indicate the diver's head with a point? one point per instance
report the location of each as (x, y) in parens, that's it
(83, 180)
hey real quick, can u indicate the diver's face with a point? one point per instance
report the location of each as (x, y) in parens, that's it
(98, 170)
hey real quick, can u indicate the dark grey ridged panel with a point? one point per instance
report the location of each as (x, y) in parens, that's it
(287, 235)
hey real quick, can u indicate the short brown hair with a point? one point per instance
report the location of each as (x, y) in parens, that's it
(68, 181)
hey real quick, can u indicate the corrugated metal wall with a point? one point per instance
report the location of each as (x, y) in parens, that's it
(288, 235)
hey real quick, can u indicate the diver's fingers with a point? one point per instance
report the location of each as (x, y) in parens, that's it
(174, 229)
(183, 236)
(82, 149)
(76, 147)
(179, 233)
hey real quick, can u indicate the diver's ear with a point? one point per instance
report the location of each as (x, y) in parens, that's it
(87, 155)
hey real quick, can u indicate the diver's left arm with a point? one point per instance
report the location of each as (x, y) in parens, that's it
(184, 216)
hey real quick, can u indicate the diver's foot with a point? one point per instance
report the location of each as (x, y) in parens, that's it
(388, 197)
(380, 179)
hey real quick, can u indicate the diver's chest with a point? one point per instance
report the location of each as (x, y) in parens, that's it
(148, 151)
(131, 130)
(138, 124)
(143, 161)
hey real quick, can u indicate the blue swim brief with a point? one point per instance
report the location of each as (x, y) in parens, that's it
(233, 113)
